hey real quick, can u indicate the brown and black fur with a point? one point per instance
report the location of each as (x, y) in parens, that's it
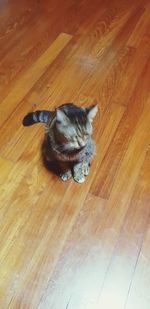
(68, 138)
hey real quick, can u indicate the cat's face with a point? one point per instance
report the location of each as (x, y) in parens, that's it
(74, 127)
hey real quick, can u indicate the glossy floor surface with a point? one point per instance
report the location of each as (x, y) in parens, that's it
(65, 245)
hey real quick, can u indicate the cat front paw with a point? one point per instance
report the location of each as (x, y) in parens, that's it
(85, 169)
(80, 171)
(65, 176)
(79, 178)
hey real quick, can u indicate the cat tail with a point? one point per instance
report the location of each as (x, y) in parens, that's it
(36, 117)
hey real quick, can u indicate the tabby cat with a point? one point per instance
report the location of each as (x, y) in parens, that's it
(68, 138)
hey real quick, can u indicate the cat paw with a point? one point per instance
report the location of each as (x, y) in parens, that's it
(79, 178)
(67, 175)
(85, 169)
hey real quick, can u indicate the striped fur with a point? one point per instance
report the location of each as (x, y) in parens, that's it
(68, 138)
(36, 117)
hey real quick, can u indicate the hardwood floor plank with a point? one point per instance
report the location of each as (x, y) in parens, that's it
(108, 128)
(29, 219)
(122, 266)
(114, 83)
(109, 81)
(13, 24)
(81, 61)
(71, 206)
(31, 76)
(68, 70)
(75, 254)
(33, 47)
(5, 168)
(9, 187)
(104, 180)
(125, 90)
(110, 224)
(65, 245)
(139, 291)
(67, 74)
(117, 43)
(140, 29)
(115, 86)
(13, 16)
(26, 48)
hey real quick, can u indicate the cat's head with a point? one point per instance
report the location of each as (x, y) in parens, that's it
(74, 126)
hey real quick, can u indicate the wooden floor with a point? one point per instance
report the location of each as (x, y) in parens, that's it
(65, 245)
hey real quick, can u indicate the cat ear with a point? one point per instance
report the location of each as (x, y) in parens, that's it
(61, 117)
(92, 111)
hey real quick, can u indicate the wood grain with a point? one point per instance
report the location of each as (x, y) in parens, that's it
(106, 233)
(126, 254)
(71, 203)
(104, 179)
(32, 75)
(65, 245)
